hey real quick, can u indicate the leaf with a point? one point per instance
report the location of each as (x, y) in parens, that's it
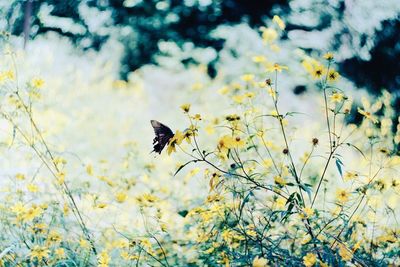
(307, 188)
(183, 213)
(183, 166)
(339, 165)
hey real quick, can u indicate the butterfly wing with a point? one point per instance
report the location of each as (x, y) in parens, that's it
(163, 135)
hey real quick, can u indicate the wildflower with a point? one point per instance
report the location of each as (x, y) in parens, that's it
(84, 243)
(280, 202)
(32, 213)
(329, 56)
(60, 253)
(307, 212)
(238, 142)
(310, 259)
(175, 140)
(318, 71)
(238, 98)
(18, 208)
(342, 196)
(103, 259)
(333, 75)
(20, 176)
(61, 178)
(39, 228)
(349, 176)
(279, 22)
(368, 115)
(268, 35)
(337, 97)
(223, 90)
(276, 67)
(54, 237)
(6, 75)
(37, 83)
(197, 117)
(259, 59)
(225, 143)
(185, 108)
(260, 262)
(39, 253)
(368, 109)
(32, 188)
(247, 77)
(279, 180)
(120, 197)
(89, 169)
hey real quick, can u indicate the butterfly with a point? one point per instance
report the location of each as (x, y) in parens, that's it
(163, 135)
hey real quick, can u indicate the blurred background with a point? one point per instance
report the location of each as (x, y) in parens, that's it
(364, 34)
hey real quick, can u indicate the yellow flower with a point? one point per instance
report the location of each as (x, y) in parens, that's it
(329, 56)
(37, 82)
(54, 237)
(225, 143)
(368, 115)
(120, 197)
(342, 196)
(39, 253)
(61, 178)
(60, 253)
(268, 35)
(279, 180)
(333, 75)
(223, 90)
(103, 259)
(32, 213)
(276, 67)
(280, 202)
(175, 140)
(279, 22)
(318, 71)
(20, 176)
(238, 98)
(185, 108)
(238, 142)
(307, 212)
(310, 259)
(18, 208)
(84, 243)
(337, 97)
(89, 169)
(260, 262)
(247, 77)
(32, 188)
(259, 59)
(349, 176)
(6, 75)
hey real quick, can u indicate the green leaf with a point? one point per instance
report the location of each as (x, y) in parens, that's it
(339, 165)
(183, 166)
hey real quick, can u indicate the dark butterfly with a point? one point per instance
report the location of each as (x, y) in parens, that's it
(163, 135)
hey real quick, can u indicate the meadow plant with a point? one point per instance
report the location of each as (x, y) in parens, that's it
(280, 191)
